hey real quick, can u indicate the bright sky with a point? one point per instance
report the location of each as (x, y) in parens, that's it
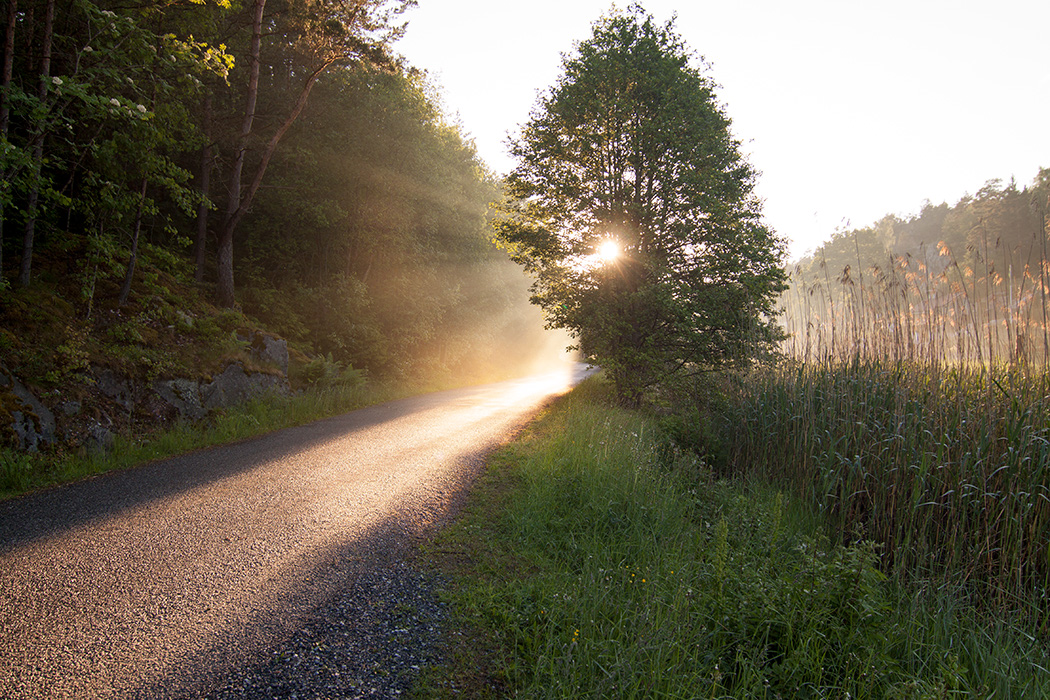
(850, 109)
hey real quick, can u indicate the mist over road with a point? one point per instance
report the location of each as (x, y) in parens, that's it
(167, 580)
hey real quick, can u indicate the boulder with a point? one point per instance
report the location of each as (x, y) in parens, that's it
(29, 420)
(121, 390)
(266, 348)
(99, 439)
(272, 350)
(235, 385)
(184, 395)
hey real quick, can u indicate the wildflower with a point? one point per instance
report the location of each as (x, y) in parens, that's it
(108, 13)
(114, 101)
(141, 108)
(56, 80)
(88, 49)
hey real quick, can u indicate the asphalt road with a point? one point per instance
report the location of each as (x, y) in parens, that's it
(269, 568)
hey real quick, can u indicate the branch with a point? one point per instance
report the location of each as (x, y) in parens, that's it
(260, 171)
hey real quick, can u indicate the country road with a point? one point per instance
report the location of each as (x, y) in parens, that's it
(270, 568)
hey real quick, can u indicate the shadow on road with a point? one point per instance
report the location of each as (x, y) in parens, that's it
(358, 619)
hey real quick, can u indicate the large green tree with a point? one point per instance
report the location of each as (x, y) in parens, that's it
(630, 146)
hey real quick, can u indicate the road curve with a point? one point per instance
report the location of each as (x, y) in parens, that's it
(169, 579)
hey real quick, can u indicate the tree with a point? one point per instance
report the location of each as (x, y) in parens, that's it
(5, 113)
(311, 36)
(93, 112)
(630, 146)
(44, 83)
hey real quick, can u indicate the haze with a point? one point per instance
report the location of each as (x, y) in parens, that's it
(850, 110)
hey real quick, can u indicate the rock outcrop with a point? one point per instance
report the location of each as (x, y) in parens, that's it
(184, 395)
(269, 349)
(27, 424)
(193, 400)
(29, 421)
(235, 385)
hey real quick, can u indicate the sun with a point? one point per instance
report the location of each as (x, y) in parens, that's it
(609, 250)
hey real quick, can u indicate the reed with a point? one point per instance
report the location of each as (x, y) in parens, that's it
(911, 406)
(950, 477)
(988, 307)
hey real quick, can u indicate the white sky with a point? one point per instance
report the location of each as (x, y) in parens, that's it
(851, 109)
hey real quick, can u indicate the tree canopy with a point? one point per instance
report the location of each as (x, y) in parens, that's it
(361, 215)
(631, 146)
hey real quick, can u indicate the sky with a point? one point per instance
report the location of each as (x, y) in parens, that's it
(849, 109)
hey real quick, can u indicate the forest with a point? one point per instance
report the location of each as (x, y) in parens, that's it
(273, 158)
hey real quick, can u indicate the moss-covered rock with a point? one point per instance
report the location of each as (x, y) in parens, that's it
(24, 421)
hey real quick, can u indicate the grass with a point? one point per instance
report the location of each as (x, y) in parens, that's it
(596, 560)
(946, 467)
(912, 409)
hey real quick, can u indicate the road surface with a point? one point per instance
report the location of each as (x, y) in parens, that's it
(268, 568)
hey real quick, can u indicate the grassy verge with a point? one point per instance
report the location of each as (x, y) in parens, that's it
(595, 560)
(22, 472)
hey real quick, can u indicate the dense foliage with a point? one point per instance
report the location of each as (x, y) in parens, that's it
(355, 221)
(631, 147)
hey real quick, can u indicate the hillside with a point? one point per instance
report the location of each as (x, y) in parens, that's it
(188, 199)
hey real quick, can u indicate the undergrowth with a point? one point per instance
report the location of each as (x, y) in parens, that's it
(596, 560)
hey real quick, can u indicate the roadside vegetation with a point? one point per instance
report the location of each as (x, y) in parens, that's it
(597, 559)
(22, 472)
(858, 507)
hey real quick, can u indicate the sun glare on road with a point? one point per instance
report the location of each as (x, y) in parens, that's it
(554, 380)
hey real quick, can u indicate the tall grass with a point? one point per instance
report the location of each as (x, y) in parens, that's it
(947, 467)
(913, 407)
(601, 563)
(988, 306)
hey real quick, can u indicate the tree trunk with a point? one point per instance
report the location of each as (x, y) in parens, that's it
(207, 163)
(38, 150)
(5, 107)
(125, 290)
(237, 205)
(271, 147)
(233, 203)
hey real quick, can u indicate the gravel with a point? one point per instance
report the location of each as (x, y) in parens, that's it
(280, 567)
(370, 641)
